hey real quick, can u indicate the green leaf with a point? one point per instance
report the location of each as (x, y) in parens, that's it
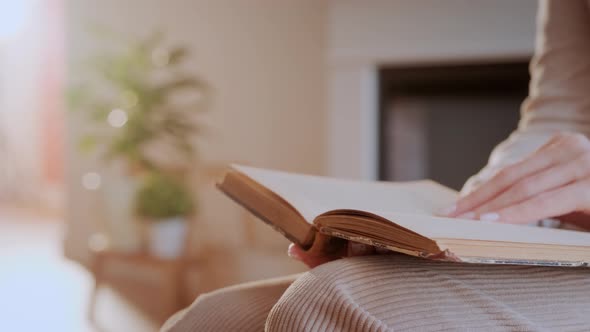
(181, 83)
(177, 55)
(77, 97)
(87, 143)
(99, 112)
(129, 70)
(161, 196)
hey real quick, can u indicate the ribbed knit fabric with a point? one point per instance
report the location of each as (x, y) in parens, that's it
(400, 293)
(239, 308)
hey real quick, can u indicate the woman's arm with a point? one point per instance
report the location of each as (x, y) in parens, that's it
(537, 172)
(553, 181)
(559, 97)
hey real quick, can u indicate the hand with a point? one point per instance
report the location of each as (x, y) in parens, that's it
(554, 181)
(313, 259)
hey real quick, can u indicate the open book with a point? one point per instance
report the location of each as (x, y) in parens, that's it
(396, 216)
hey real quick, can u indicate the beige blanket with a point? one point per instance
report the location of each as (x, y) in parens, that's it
(401, 293)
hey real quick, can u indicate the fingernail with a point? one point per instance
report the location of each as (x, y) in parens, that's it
(491, 216)
(447, 210)
(467, 215)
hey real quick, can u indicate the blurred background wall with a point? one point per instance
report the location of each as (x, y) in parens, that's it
(265, 62)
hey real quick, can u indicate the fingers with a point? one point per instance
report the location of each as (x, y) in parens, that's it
(359, 249)
(559, 149)
(538, 183)
(556, 202)
(579, 219)
(502, 181)
(312, 260)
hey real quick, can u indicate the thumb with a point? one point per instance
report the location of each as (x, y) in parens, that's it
(307, 258)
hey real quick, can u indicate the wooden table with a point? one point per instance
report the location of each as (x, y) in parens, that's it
(156, 286)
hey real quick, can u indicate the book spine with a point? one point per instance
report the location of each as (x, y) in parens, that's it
(371, 242)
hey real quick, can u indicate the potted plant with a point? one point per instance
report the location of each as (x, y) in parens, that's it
(140, 108)
(165, 204)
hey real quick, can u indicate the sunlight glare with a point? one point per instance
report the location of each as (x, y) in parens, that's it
(13, 17)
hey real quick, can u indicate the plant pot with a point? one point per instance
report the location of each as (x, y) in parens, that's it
(166, 237)
(118, 192)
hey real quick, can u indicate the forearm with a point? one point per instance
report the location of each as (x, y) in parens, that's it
(560, 76)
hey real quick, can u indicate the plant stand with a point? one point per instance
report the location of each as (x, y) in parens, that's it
(155, 286)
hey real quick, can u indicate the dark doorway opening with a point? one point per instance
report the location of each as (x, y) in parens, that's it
(441, 122)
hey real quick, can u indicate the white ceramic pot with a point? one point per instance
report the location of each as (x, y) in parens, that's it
(118, 193)
(166, 238)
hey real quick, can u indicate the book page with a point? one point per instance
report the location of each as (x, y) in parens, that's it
(314, 195)
(448, 228)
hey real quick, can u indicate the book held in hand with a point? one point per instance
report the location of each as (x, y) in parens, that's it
(399, 216)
